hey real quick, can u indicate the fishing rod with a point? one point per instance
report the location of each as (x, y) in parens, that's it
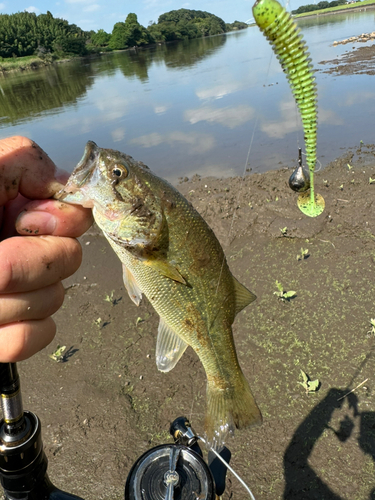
(23, 463)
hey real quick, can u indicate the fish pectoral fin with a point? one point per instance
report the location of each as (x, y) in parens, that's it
(166, 269)
(169, 347)
(135, 293)
(243, 297)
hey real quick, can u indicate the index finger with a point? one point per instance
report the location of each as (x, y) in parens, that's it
(32, 262)
(25, 168)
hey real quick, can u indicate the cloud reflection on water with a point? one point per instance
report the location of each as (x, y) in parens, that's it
(228, 117)
(118, 134)
(289, 120)
(198, 143)
(218, 91)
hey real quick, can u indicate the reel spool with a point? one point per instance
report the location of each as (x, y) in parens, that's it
(170, 471)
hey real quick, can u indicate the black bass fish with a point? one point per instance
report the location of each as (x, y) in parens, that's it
(170, 255)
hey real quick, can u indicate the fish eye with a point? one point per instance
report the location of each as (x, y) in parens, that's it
(119, 172)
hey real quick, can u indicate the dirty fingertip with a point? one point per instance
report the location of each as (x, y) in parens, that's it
(34, 223)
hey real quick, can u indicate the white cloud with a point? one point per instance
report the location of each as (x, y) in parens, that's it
(198, 143)
(91, 8)
(228, 117)
(2, 6)
(33, 9)
(78, 1)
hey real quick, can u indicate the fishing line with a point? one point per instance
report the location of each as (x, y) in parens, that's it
(228, 467)
(250, 147)
(244, 170)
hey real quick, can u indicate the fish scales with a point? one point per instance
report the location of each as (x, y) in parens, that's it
(170, 255)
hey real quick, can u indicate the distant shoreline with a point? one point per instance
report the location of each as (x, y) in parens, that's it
(338, 11)
(36, 63)
(31, 63)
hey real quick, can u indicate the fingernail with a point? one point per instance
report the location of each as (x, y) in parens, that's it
(37, 222)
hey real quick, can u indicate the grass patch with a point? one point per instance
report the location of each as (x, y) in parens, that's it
(22, 63)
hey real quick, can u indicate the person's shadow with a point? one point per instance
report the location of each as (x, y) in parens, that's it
(301, 481)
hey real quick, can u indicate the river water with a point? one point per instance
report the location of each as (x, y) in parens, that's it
(215, 106)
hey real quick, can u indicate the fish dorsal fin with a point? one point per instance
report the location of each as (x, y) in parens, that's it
(135, 293)
(243, 297)
(169, 347)
(166, 269)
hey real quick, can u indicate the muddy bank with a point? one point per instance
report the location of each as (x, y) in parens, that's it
(359, 61)
(106, 403)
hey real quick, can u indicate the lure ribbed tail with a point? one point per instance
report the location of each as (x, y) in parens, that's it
(291, 50)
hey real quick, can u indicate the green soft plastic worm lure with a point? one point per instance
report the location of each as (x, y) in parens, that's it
(291, 50)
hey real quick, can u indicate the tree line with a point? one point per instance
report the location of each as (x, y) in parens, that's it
(25, 33)
(319, 6)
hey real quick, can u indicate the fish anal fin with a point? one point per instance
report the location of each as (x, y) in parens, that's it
(169, 347)
(166, 269)
(243, 296)
(135, 293)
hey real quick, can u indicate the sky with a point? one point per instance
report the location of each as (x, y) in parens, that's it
(103, 14)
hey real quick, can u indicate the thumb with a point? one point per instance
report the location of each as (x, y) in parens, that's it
(53, 217)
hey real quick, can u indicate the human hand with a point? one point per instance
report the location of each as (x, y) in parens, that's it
(32, 266)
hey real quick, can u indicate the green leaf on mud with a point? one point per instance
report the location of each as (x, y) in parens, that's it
(279, 286)
(57, 355)
(310, 386)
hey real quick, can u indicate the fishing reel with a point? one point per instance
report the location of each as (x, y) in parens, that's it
(173, 471)
(177, 471)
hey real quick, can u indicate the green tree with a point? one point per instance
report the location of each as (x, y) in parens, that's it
(129, 34)
(69, 45)
(24, 34)
(100, 39)
(237, 25)
(186, 23)
(119, 37)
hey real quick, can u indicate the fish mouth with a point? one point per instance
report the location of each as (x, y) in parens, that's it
(80, 176)
(86, 165)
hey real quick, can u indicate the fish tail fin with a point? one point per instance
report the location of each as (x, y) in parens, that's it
(229, 409)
